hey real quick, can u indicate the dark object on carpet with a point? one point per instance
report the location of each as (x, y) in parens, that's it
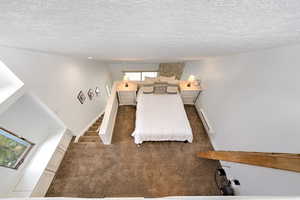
(225, 186)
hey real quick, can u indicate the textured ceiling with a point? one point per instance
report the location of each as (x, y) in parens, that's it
(141, 30)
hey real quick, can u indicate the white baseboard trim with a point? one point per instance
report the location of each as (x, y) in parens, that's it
(87, 127)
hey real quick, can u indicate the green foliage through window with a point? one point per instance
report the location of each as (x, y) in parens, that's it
(13, 149)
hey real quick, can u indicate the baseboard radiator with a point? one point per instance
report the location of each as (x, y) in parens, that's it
(205, 122)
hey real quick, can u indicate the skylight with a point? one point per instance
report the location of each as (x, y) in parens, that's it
(9, 83)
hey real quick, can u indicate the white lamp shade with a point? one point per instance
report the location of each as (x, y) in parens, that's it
(125, 78)
(191, 78)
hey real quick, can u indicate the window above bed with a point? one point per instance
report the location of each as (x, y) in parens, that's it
(140, 75)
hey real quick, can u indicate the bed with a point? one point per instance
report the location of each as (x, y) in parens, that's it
(161, 117)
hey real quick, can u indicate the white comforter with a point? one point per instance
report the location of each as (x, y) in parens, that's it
(161, 117)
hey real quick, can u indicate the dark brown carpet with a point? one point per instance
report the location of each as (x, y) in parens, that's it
(154, 169)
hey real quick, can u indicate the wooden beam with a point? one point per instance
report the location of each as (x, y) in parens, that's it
(284, 161)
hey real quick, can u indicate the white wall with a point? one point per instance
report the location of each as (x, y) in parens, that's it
(108, 122)
(56, 80)
(252, 102)
(116, 69)
(27, 118)
(191, 68)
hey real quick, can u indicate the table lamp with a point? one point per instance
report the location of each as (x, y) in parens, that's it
(125, 80)
(191, 79)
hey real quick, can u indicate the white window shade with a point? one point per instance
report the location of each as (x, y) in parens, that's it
(140, 75)
(133, 76)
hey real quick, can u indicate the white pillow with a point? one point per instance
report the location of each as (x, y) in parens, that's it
(166, 79)
(151, 79)
(148, 83)
(173, 82)
(160, 89)
(148, 89)
(172, 90)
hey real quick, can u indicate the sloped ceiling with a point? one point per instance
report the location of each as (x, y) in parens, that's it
(142, 30)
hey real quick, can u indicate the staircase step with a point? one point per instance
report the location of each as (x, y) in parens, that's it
(89, 139)
(87, 144)
(95, 125)
(93, 128)
(91, 133)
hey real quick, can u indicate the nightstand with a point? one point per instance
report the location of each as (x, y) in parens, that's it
(189, 94)
(127, 95)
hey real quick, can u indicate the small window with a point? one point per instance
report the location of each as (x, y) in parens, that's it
(13, 149)
(140, 75)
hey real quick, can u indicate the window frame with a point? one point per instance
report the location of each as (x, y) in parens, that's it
(141, 73)
(24, 154)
